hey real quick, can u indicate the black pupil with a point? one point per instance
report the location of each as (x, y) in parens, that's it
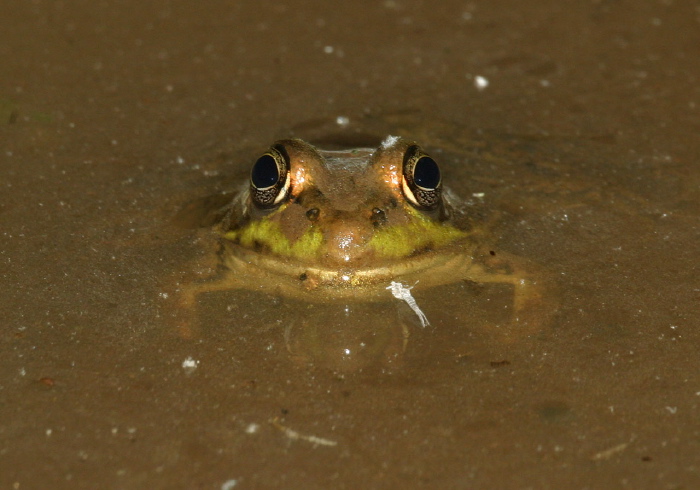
(426, 173)
(265, 173)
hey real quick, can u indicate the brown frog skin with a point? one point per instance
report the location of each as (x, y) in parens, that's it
(326, 226)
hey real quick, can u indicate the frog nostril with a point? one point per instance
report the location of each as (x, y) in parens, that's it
(313, 213)
(378, 217)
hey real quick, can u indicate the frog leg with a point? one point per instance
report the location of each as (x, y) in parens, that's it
(534, 300)
(188, 294)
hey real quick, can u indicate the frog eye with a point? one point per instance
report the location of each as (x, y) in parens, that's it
(421, 181)
(269, 178)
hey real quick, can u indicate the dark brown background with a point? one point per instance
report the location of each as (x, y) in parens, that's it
(115, 114)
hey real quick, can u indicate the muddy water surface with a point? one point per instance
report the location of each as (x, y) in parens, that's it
(584, 146)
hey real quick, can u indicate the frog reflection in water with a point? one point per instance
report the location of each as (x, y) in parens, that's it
(338, 226)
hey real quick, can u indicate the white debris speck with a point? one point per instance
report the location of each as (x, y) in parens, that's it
(252, 428)
(404, 293)
(229, 484)
(481, 82)
(189, 365)
(328, 49)
(49, 432)
(297, 436)
(610, 452)
(389, 141)
(479, 195)
(342, 121)
(163, 295)
(672, 410)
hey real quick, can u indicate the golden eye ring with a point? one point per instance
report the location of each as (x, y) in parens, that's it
(421, 180)
(270, 178)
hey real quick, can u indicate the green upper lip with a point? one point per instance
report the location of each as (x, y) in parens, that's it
(387, 243)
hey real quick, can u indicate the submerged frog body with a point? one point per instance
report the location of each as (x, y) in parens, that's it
(328, 226)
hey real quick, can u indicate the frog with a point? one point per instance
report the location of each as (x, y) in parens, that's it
(355, 225)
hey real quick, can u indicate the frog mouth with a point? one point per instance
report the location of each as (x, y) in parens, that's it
(280, 275)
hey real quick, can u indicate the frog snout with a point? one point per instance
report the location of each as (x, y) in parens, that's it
(348, 242)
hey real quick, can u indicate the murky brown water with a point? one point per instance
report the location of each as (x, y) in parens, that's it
(584, 143)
